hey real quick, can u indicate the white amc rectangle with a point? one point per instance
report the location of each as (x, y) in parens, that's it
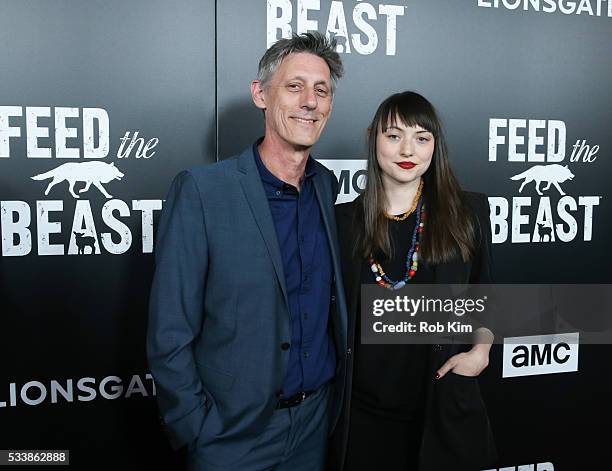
(350, 174)
(540, 354)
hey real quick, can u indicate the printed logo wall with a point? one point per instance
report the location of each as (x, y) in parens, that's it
(538, 149)
(86, 171)
(96, 118)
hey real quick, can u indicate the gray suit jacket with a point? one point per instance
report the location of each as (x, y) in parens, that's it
(218, 308)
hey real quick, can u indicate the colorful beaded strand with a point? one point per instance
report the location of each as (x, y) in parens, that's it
(412, 258)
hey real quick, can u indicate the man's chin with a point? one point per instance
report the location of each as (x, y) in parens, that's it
(303, 144)
(306, 141)
(300, 147)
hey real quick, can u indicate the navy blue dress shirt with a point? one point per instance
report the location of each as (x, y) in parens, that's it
(307, 267)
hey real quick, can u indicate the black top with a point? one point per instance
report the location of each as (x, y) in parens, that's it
(389, 380)
(456, 432)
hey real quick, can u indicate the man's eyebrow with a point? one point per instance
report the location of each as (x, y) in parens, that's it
(318, 82)
(297, 77)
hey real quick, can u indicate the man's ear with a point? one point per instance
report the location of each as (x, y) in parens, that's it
(258, 95)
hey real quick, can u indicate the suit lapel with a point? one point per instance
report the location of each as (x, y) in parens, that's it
(325, 201)
(260, 208)
(351, 269)
(323, 197)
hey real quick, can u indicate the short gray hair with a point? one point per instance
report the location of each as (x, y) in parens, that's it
(313, 43)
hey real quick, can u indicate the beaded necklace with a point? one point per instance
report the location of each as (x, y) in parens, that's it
(403, 217)
(412, 263)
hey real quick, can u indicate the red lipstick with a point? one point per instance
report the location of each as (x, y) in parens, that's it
(406, 165)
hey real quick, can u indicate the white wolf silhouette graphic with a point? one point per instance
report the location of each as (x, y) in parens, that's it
(87, 172)
(552, 174)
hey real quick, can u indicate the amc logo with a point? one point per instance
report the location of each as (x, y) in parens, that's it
(351, 176)
(527, 467)
(540, 354)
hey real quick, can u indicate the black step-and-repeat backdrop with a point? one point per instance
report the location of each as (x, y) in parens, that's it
(102, 103)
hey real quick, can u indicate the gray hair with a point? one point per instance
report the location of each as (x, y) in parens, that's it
(313, 43)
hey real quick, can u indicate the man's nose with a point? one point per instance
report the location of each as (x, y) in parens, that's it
(309, 98)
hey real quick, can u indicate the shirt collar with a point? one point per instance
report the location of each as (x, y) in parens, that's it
(272, 179)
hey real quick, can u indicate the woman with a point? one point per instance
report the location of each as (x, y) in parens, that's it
(412, 407)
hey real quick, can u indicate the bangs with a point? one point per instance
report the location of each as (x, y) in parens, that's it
(411, 109)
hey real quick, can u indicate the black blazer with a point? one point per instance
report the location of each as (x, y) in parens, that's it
(457, 433)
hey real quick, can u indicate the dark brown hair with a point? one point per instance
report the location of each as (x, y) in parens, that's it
(450, 229)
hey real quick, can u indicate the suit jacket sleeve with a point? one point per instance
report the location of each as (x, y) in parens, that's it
(481, 269)
(176, 311)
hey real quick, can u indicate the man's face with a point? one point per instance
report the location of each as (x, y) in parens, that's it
(297, 100)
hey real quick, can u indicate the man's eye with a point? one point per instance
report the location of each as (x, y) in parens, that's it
(294, 86)
(322, 92)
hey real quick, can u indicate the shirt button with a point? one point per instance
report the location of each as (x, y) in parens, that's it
(285, 345)
(305, 315)
(278, 192)
(305, 354)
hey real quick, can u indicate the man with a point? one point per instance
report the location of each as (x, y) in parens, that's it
(247, 325)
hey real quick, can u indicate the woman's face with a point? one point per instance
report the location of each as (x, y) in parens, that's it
(404, 152)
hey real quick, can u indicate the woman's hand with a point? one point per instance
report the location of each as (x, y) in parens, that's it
(470, 363)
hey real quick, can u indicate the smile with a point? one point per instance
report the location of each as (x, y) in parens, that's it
(406, 165)
(305, 121)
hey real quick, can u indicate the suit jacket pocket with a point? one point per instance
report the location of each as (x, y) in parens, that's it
(463, 394)
(461, 431)
(213, 380)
